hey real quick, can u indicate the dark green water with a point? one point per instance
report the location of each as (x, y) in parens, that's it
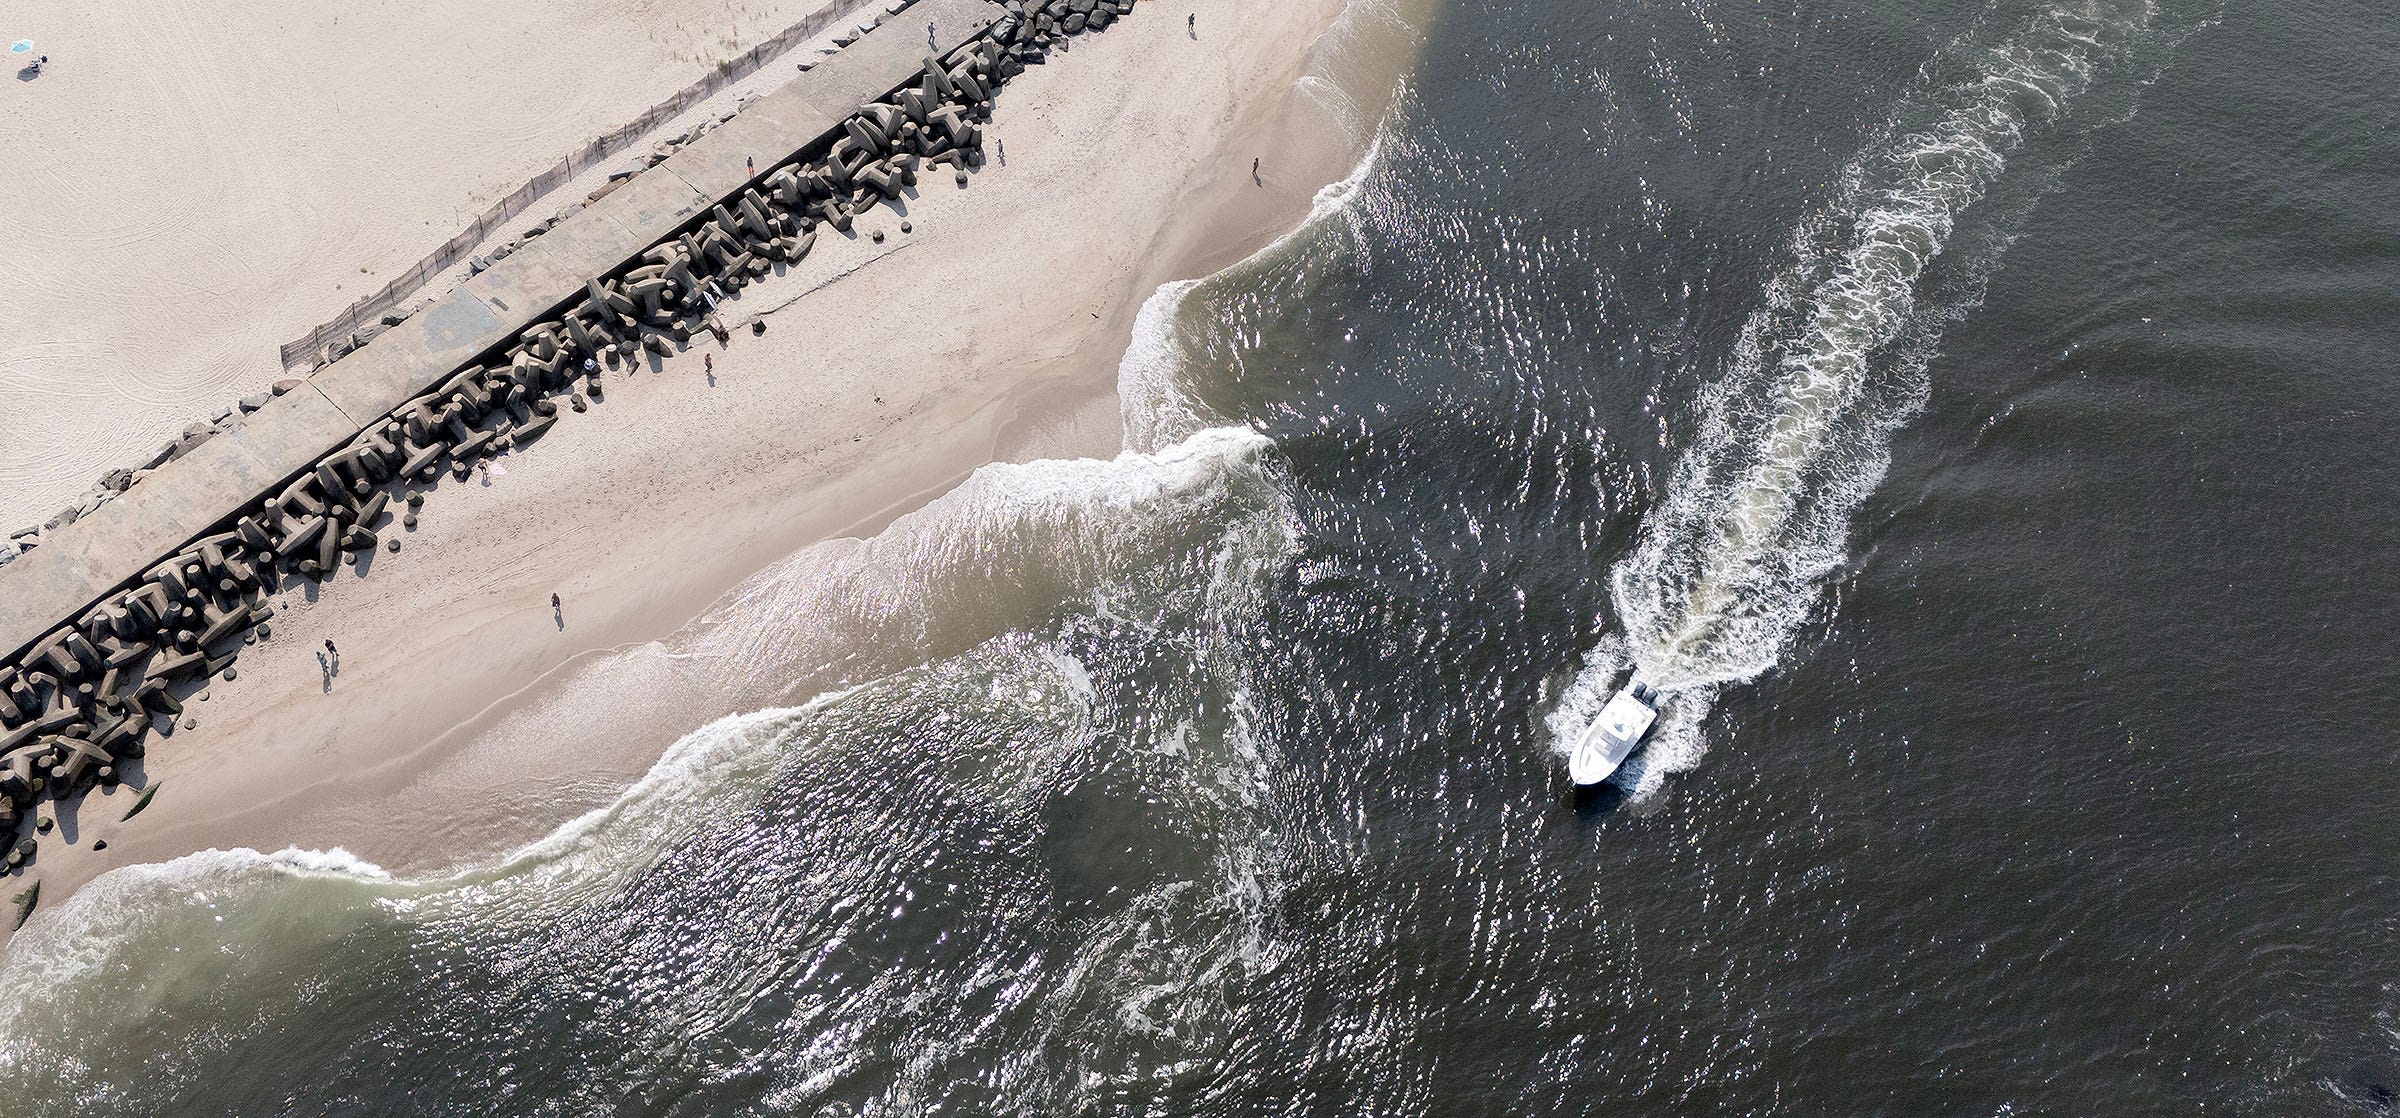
(1975, 413)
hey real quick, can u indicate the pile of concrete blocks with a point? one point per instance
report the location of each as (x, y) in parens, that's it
(80, 704)
(115, 482)
(1046, 21)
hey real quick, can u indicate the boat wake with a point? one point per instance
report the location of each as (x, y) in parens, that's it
(1796, 433)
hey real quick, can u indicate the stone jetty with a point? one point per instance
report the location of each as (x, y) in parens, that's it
(110, 620)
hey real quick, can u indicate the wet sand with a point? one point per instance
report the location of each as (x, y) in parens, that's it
(467, 717)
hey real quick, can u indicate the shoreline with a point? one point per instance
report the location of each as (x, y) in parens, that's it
(416, 757)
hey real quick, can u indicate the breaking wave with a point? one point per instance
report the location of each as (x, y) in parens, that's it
(969, 619)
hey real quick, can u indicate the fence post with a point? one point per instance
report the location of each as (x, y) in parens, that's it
(598, 150)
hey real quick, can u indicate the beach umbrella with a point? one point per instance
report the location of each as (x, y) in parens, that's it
(21, 46)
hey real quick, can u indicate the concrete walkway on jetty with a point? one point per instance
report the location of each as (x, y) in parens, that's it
(187, 498)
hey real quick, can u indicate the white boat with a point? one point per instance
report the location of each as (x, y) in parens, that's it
(1612, 736)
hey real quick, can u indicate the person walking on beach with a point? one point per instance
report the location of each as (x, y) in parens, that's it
(1191, 24)
(931, 39)
(330, 650)
(1254, 172)
(708, 367)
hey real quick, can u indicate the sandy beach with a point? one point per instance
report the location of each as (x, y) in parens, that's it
(188, 191)
(466, 717)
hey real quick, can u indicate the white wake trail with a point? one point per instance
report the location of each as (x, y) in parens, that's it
(1797, 433)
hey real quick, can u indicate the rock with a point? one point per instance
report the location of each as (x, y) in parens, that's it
(287, 384)
(64, 518)
(392, 544)
(394, 317)
(477, 265)
(99, 845)
(250, 404)
(117, 480)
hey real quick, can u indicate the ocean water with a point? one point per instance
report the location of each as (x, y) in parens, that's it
(1974, 412)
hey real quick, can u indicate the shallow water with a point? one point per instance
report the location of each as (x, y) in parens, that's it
(1974, 412)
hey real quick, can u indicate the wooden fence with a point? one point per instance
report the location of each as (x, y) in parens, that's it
(310, 348)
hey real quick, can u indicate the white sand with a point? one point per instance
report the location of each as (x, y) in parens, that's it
(189, 186)
(1128, 165)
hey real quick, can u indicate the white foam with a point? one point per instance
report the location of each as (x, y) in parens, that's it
(1082, 524)
(1156, 406)
(1011, 543)
(1796, 433)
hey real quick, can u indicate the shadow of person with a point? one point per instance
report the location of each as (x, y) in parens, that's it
(325, 669)
(559, 617)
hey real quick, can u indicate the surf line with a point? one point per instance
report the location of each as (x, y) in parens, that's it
(1797, 433)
